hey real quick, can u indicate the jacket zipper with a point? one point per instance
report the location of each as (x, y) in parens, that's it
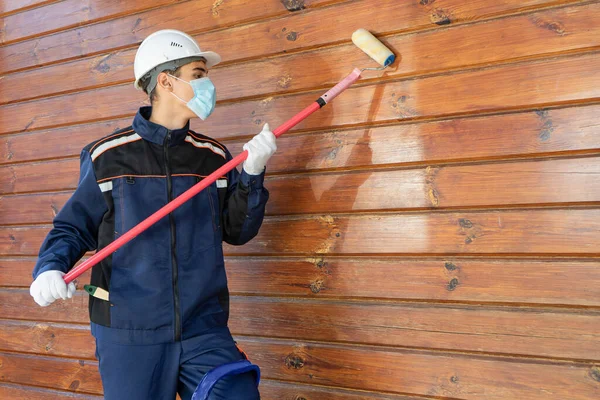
(173, 243)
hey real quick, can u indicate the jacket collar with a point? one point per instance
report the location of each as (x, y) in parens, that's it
(156, 133)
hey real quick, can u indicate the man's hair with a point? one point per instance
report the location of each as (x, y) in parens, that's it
(145, 81)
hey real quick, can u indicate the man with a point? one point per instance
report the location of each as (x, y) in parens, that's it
(161, 304)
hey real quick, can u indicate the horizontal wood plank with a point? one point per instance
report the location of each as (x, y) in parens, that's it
(36, 209)
(51, 339)
(533, 85)
(67, 14)
(502, 232)
(269, 390)
(407, 372)
(13, 6)
(55, 143)
(51, 372)
(527, 85)
(12, 391)
(486, 185)
(299, 32)
(18, 272)
(470, 328)
(423, 373)
(505, 184)
(552, 232)
(558, 334)
(273, 390)
(502, 40)
(506, 39)
(496, 281)
(190, 16)
(529, 134)
(441, 280)
(32, 178)
(74, 310)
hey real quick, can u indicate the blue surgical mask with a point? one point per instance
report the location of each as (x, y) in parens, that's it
(204, 100)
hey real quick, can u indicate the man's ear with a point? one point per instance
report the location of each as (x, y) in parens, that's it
(164, 81)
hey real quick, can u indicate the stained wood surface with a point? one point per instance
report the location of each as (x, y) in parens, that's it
(284, 391)
(502, 184)
(62, 374)
(507, 232)
(430, 234)
(13, 6)
(66, 14)
(55, 143)
(452, 376)
(546, 32)
(557, 334)
(532, 84)
(528, 134)
(12, 391)
(552, 232)
(81, 374)
(316, 363)
(459, 280)
(130, 30)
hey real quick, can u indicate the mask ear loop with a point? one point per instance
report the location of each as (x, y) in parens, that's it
(179, 79)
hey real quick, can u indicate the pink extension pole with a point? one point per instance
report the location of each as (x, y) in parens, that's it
(197, 188)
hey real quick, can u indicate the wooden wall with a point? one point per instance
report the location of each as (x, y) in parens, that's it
(433, 233)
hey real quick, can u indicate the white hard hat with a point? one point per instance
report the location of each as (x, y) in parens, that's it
(166, 46)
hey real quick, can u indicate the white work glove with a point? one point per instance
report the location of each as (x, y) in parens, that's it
(50, 286)
(260, 148)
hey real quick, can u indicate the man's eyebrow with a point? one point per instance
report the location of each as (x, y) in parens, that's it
(200, 68)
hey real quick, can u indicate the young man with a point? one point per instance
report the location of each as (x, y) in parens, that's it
(159, 315)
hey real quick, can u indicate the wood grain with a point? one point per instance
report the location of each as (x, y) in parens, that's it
(512, 281)
(563, 334)
(431, 234)
(539, 34)
(67, 14)
(273, 390)
(190, 16)
(51, 372)
(551, 232)
(13, 6)
(18, 272)
(55, 143)
(502, 232)
(12, 391)
(423, 373)
(549, 182)
(529, 134)
(528, 85)
(552, 282)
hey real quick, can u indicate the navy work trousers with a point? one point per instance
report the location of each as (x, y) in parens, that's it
(158, 372)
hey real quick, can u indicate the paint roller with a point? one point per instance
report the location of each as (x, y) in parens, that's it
(362, 38)
(368, 43)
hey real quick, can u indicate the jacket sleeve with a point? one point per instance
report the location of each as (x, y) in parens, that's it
(75, 228)
(244, 207)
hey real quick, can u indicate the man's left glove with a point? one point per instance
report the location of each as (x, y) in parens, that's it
(260, 148)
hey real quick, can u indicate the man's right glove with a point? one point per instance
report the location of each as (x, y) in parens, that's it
(50, 286)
